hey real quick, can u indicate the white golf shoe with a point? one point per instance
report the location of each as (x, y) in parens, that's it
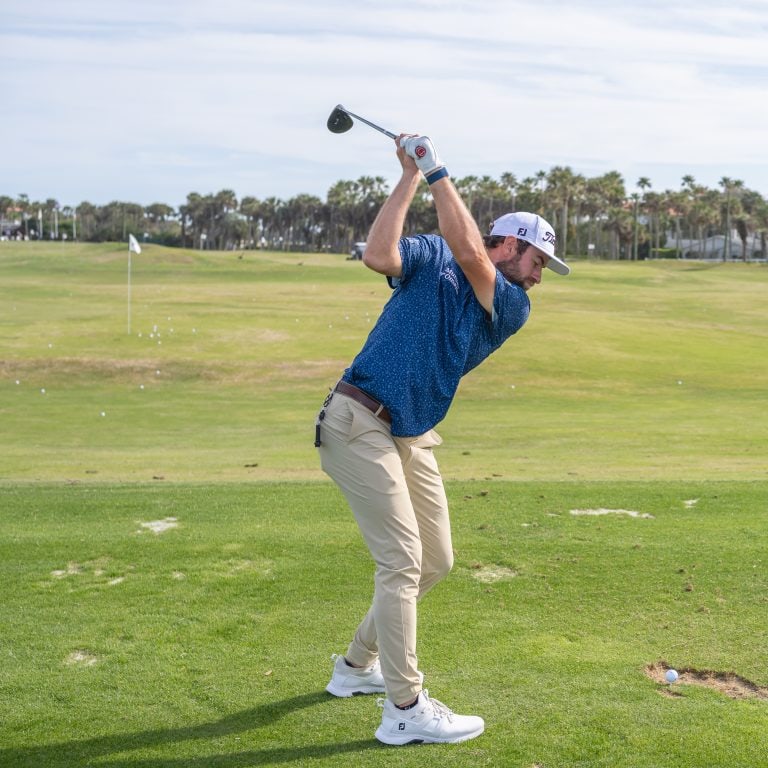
(427, 722)
(348, 681)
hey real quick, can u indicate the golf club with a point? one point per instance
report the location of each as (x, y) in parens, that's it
(340, 121)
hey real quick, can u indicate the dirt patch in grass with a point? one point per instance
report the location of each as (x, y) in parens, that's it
(488, 574)
(80, 368)
(72, 569)
(599, 512)
(146, 371)
(728, 683)
(159, 526)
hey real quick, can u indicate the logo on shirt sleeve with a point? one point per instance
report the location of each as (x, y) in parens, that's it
(450, 276)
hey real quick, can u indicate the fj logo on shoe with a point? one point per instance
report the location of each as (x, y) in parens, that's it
(401, 726)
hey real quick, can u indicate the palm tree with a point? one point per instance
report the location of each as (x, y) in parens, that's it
(422, 216)
(469, 189)
(620, 224)
(529, 195)
(223, 211)
(731, 187)
(22, 205)
(704, 215)
(189, 213)
(677, 200)
(270, 218)
(510, 184)
(750, 218)
(369, 195)
(86, 216)
(492, 197)
(654, 204)
(635, 198)
(604, 198)
(563, 185)
(643, 183)
(250, 207)
(341, 201)
(688, 211)
(305, 215)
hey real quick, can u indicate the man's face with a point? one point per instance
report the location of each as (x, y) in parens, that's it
(522, 268)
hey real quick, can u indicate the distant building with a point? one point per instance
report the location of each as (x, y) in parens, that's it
(714, 247)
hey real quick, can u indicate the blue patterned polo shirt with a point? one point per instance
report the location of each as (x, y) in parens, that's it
(431, 331)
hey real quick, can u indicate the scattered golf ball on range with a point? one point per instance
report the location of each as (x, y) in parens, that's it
(671, 675)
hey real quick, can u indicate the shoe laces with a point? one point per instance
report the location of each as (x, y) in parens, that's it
(439, 708)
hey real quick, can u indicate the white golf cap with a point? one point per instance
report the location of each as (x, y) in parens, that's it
(534, 230)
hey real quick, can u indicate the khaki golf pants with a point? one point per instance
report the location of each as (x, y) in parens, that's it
(397, 496)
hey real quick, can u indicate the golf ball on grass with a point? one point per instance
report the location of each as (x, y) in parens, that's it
(671, 676)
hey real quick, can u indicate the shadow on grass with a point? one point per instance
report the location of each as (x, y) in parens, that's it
(81, 753)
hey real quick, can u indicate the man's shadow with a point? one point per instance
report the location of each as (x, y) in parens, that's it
(76, 754)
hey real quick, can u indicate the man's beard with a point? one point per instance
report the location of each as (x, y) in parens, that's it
(511, 271)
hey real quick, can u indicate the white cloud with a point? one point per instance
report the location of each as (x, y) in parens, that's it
(151, 100)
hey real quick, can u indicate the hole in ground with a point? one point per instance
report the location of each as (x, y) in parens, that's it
(728, 683)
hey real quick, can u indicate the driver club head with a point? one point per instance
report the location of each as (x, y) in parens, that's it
(339, 120)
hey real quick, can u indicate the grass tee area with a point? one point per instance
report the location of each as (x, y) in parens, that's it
(176, 570)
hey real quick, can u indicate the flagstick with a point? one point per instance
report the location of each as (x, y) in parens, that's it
(129, 289)
(133, 246)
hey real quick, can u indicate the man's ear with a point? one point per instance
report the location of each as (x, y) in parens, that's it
(510, 245)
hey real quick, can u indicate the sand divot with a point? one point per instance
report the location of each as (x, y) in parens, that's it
(72, 569)
(81, 659)
(159, 526)
(601, 511)
(690, 503)
(93, 573)
(488, 574)
(727, 683)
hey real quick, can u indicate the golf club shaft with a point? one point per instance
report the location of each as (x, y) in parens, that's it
(368, 122)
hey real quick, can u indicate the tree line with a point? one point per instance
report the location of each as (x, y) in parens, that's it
(592, 216)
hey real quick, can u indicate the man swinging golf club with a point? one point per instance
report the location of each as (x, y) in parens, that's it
(456, 299)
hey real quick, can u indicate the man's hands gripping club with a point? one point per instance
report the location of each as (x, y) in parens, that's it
(424, 154)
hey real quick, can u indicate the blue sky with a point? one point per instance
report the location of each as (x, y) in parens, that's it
(150, 100)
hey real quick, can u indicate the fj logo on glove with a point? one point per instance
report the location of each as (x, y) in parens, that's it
(421, 150)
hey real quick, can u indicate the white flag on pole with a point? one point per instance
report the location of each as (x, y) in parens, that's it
(133, 244)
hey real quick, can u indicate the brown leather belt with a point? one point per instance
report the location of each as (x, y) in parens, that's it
(350, 390)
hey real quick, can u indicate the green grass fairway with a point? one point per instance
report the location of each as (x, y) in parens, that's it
(175, 571)
(208, 644)
(624, 371)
